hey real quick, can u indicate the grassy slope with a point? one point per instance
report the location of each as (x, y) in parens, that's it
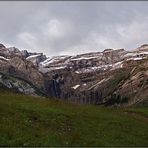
(28, 121)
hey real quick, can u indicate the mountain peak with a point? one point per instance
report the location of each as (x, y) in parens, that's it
(143, 47)
(108, 50)
(2, 46)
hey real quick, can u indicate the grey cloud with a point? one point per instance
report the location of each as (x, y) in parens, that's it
(72, 27)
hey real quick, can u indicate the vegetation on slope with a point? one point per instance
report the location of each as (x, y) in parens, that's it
(14, 83)
(28, 121)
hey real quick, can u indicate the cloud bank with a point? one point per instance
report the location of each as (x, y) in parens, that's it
(73, 27)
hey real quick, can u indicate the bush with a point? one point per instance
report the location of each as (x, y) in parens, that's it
(117, 99)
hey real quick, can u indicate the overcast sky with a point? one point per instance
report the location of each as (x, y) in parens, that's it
(72, 27)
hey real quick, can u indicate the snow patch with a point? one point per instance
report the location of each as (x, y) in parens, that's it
(45, 70)
(84, 84)
(117, 65)
(76, 86)
(77, 72)
(136, 54)
(61, 67)
(143, 53)
(3, 58)
(84, 58)
(135, 58)
(51, 60)
(33, 56)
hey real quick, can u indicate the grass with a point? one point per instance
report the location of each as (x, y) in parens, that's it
(28, 121)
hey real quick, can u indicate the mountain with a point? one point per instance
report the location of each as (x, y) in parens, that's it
(112, 77)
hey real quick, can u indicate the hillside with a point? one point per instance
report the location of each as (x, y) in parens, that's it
(34, 121)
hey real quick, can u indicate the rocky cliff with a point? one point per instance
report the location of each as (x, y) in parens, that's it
(111, 77)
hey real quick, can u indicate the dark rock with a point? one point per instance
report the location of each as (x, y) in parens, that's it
(2, 46)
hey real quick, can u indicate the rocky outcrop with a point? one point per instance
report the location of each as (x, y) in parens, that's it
(2, 46)
(18, 85)
(143, 47)
(36, 58)
(13, 62)
(27, 70)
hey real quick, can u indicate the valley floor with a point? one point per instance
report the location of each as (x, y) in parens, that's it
(28, 121)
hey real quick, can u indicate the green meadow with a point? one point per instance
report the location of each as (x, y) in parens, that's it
(33, 121)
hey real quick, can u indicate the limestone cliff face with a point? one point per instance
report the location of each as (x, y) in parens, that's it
(111, 77)
(102, 77)
(12, 61)
(27, 70)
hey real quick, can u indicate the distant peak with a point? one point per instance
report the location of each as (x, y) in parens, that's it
(2, 46)
(107, 50)
(144, 45)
